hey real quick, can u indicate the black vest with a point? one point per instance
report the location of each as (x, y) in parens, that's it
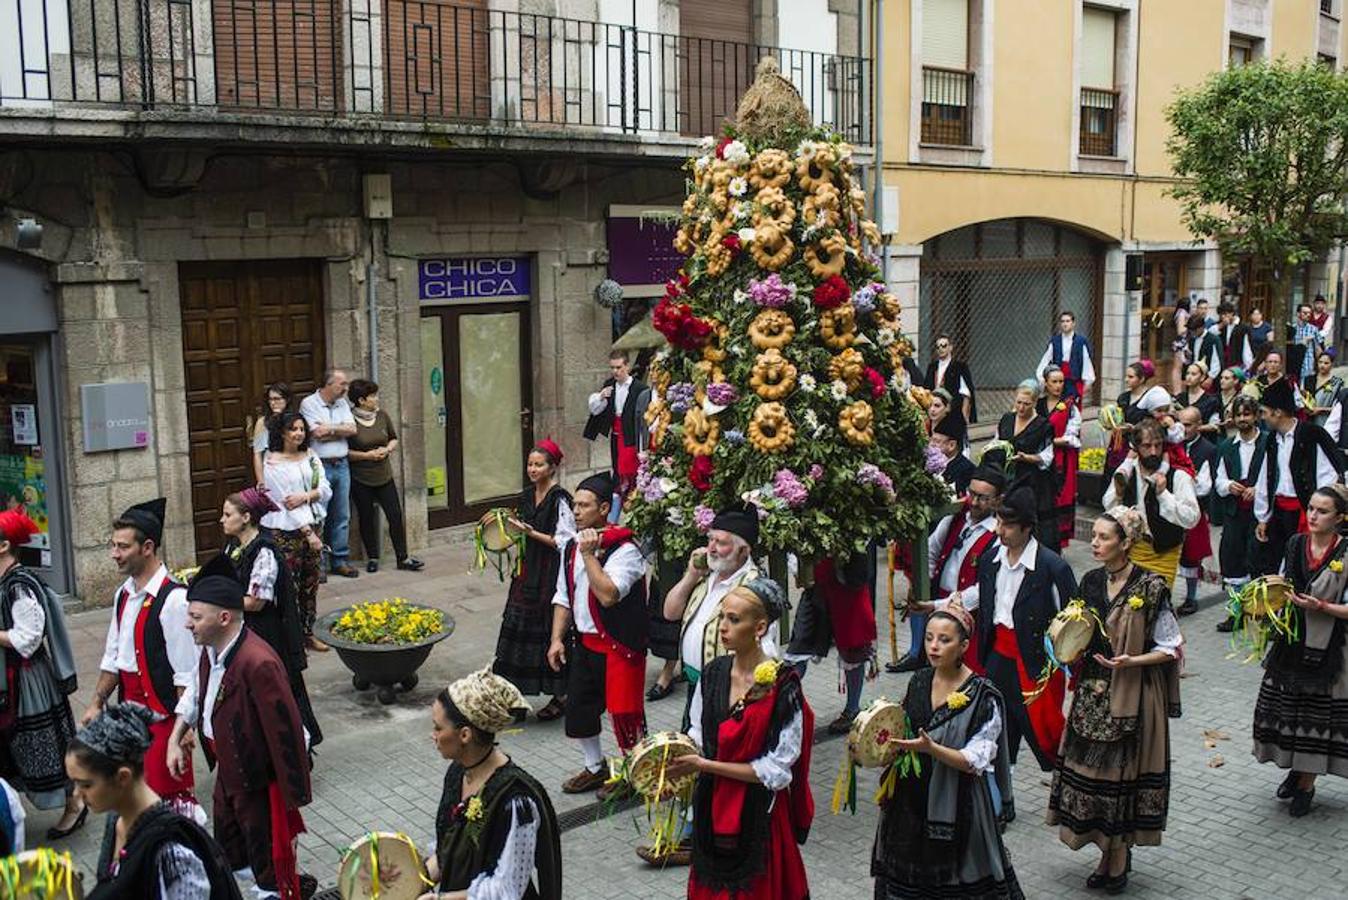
(160, 670)
(602, 424)
(1306, 439)
(1165, 535)
(627, 622)
(1033, 610)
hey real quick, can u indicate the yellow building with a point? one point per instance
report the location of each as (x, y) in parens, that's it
(1025, 140)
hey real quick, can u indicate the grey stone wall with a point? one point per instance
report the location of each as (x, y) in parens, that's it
(114, 253)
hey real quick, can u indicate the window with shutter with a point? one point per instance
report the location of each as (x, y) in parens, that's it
(945, 33)
(1097, 48)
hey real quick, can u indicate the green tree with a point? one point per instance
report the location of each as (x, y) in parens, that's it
(1262, 151)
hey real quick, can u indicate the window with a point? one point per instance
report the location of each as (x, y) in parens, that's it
(1099, 97)
(947, 82)
(1327, 61)
(1327, 7)
(1243, 50)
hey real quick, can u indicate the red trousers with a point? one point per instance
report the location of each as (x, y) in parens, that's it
(157, 774)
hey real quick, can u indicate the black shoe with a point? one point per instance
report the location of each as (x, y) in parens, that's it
(372, 566)
(55, 834)
(907, 664)
(308, 886)
(1187, 608)
(411, 564)
(1097, 880)
(1117, 884)
(1228, 625)
(1288, 786)
(1301, 802)
(660, 691)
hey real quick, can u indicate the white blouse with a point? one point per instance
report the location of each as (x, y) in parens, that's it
(188, 874)
(285, 477)
(772, 768)
(981, 751)
(30, 622)
(510, 879)
(262, 580)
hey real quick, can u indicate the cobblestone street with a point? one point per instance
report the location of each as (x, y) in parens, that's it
(1227, 838)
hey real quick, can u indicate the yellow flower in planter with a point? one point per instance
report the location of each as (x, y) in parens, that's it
(957, 700)
(391, 621)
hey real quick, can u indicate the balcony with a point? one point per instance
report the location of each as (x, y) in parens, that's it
(1099, 122)
(947, 112)
(422, 69)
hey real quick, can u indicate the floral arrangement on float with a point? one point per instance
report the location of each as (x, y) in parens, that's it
(782, 385)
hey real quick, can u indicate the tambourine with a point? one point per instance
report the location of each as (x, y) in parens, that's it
(648, 760)
(41, 874)
(870, 739)
(1111, 417)
(1265, 596)
(1070, 637)
(382, 865)
(499, 542)
(186, 574)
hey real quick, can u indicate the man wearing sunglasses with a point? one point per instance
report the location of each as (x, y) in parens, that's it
(953, 375)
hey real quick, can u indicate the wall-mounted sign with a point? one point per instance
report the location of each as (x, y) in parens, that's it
(116, 416)
(641, 254)
(475, 279)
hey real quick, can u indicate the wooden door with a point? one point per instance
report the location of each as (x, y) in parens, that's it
(245, 325)
(1165, 279)
(716, 62)
(477, 400)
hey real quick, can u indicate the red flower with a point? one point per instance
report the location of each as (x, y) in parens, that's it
(721, 145)
(832, 292)
(679, 326)
(699, 473)
(732, 241)
(877, 382)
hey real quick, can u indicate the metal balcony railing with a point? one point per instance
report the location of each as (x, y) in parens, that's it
(1099, 122)
(947, 106)
(425, 60)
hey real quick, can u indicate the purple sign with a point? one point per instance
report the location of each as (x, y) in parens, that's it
(481, 278)
(642, 251)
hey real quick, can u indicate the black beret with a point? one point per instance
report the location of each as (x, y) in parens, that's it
(952, 426)
(991, 476)
(217, 584)
(149, 518)
(738, 521)
(600, 484)
(1279, 396)
(1019, 508)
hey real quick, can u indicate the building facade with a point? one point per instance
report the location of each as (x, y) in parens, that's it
(1026, 144)
(424, 193)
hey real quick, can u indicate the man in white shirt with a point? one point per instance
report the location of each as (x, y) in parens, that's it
(944, 371)
(148, 656)
(252, 733)
(1071, 353)
(600, 630)
(1239, 460)
(1301, 458)
(618, 412)
(330, 424)
(1165, 496)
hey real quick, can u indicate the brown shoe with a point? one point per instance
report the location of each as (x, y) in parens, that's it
(584, 782)
(345, 571)
(316, 645)
(681, 855)
(842, 724)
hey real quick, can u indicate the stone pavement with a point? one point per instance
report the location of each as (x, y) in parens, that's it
(1228, 838)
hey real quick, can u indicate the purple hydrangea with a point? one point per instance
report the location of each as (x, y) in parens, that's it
(653, 492)
(644, 474)
(702, 518)
(787, 488)
(863, 301)
(870, 474)
(772, 292)
(935, 461)
(679, 396)
(816, 471)
(734, 437)
(722, 393)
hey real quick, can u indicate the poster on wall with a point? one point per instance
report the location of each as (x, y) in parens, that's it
(23, 417)
(23, 485)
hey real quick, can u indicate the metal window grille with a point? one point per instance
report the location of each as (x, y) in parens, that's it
(947, 106)
(997, 288)
(1099, 121)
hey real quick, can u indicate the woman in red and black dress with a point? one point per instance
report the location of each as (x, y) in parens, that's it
(752, 806)
(1062, 413)
(544, 507)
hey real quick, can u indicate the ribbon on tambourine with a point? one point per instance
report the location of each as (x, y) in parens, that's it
(908, 764)
(665, 815)
(1074, 611)
(513, 555)
(845, 787)
(55, 876)
(1253, 632)
(375, 889)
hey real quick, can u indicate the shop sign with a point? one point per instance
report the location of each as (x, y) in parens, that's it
(478, 279)
(116, 416)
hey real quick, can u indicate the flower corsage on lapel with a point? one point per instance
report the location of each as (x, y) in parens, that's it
(957, 700)
(765, 676)
(472, 813)
(1336, 566)
(1136, 602)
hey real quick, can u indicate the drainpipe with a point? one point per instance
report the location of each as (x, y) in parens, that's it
(371, 273)
(877, 118)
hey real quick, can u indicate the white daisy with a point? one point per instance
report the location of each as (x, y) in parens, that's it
(738, 187)
(747, 235)
(736, 153)
(807, 383)
(839, 390)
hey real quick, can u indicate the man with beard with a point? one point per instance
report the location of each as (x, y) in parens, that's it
(1198, 541)
(1164, 495)
(600, 626)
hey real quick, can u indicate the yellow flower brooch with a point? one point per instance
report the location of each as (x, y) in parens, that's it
(1336, 566)
(957, 700)
(474, 811)
(1136, 601)
(765, 673)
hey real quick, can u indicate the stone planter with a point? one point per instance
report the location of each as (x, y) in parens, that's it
(389, 668)
(1090, 488)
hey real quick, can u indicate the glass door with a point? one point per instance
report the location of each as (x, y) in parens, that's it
(23, 464)
(476, 401)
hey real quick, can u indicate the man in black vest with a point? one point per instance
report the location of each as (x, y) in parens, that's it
(1021, 586)
(1164, 495)
(953, 375)
(1301, 457)
(618, 412)
(1198, 540)
(600, 626)
(1239, 460)
(1234, 339)
(949, 436)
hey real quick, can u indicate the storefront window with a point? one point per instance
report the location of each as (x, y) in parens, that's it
(23, 481)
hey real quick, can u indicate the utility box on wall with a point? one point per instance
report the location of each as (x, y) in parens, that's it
(116, 416)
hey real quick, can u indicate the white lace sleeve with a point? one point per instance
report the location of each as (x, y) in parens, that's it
(1165, 633)
(29, 623)
(515, 867)
(262, 580)
(774, 767)
(695, 715)
(981, 751)
(566, 525)
(1073, 431)
(181, 874)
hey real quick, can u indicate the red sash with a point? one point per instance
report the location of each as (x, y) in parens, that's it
(1076, 382)
(157, 774)
(1292, 504)
(1045, 713)
(627, 456)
